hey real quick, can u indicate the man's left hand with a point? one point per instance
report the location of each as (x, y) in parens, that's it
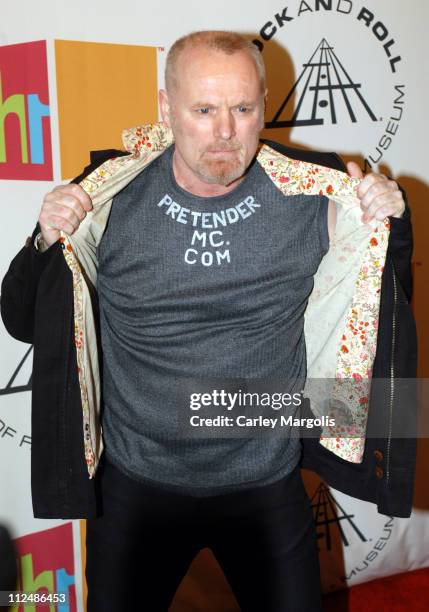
(379, 196)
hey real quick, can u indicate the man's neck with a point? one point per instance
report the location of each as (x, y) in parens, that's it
(188, 181)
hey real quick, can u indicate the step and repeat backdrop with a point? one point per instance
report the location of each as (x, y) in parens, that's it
(343, 75)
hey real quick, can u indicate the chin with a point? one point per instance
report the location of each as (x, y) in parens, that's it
(221, 173)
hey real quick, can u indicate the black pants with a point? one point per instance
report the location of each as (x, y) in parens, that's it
(139, 550)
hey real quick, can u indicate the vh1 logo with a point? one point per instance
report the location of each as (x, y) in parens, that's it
(46, 565)
(25, 130)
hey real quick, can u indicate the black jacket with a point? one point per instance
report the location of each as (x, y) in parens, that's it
(37, 308)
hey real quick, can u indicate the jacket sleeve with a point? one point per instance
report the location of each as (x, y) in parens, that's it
(20, 284)
(400, 249)
(19, 289)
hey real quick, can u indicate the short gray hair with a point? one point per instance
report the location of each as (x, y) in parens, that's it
(218, 40)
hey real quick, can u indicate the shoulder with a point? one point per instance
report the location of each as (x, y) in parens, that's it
(330, 160)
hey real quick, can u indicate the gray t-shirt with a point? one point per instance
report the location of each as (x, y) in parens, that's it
(194, 288)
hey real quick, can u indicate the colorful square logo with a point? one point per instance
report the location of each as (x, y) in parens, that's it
(46, 565)
(102, 89)
(25, 129)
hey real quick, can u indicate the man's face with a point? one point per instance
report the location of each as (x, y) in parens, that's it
(216, 113)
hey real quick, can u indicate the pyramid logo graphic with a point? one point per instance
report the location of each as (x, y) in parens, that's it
(21, 377)
(323, 90)
(328, 514)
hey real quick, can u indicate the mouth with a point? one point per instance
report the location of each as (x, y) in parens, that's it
(222, 151)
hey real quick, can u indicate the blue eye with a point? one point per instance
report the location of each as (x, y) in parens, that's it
(204, 111)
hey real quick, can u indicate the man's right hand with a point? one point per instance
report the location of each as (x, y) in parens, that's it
(64, 208)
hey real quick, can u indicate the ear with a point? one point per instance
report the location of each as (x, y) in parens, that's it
(164, 107)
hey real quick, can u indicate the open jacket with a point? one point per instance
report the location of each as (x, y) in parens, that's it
(352, 320)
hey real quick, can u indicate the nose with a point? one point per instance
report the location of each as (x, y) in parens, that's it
(225, 125)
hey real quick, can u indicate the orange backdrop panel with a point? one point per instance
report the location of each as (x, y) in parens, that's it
(102, 89)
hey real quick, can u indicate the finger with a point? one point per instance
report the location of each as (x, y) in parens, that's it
(72, 190)
(73, 215)
(385, 205)
(66, 212)
(367, 182)
(374, 188)
(59, 223)
(354, 170)
(74, 205)
(65, 200)
(81, 195)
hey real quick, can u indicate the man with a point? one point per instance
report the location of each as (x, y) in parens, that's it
(174, 312)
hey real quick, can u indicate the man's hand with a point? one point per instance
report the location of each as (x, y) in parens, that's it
(63, 209)
(379, 196)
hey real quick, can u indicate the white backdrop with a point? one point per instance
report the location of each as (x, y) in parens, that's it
(387, 97)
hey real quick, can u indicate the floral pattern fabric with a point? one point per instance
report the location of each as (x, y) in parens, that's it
(353, 329)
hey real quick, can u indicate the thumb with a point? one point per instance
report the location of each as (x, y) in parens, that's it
(354, 170)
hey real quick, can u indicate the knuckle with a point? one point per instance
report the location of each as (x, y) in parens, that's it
(57, 188)
(379, 191)
(371, 191)
(63, 212)
(63, 225)
(58, 222)
(45, 216)
(372, 178)
(69, 214)
(79, 193)
(49, 197)
(78, 208)
(70, 201)
(74, 189)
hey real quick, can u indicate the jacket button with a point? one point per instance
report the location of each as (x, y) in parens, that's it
(378, 455)
(379, 472)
